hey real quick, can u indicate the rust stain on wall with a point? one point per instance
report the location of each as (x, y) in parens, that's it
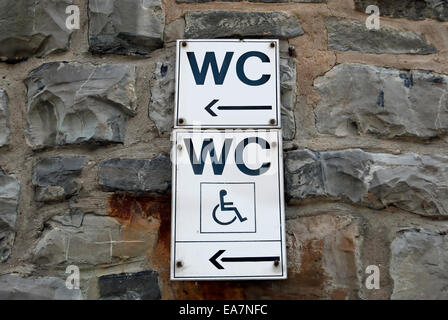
(125, 206)
(135, 213)
(306, 282)
(141, 220)
(312, 275)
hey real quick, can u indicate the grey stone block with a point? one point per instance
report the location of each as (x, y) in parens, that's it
(69, 103)
(32, 28)
(130, 286)
(9, 201)
(411, 9)
(67, 240)
(226, 24)
(418, 266)
(135, 175)
(127, 27)
(351, 35)
(4, 119)
(288, 88)
(161, 107)
(57, 178)
(15, 287)
(411, 182)
(362, 99)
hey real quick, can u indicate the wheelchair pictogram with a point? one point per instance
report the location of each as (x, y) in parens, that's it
(226, 206)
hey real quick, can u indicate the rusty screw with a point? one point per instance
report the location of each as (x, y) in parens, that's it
(276, 263)
(179, 264)
(272, 121)
(181, 121)
(272, 44)
(292, 51)
(184, 43)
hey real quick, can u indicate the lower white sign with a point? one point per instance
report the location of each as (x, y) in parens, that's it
(228, 207)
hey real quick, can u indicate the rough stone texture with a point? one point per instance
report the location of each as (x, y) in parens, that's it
(90, 244)
(71, 103)
(128, 27)
(127, 234)
(358, 99)
(148, 175)
(419, 264)
(288, 83)
(86, 239)
(412, 182)
(9, 200)
(15, 287)
(161, 108)
(32, 28)
(351, 35)
(227, 24)
(4, 119)
(130, 286)
(322, 260)
(57, 178)
(411, 9)
(174, 31)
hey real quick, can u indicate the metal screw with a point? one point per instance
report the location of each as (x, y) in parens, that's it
(272, 121)
(274, 144)
(276, 263)
(292, 51)
(179, 264)
(272, 44)
(184, 43)
(181, 121)
(179, 147)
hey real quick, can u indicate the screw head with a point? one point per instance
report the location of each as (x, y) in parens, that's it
(276, 263)
(179, 264)
(184, 43)
(272, 44)
(179, 147)
(274, 144)
(272, 122)
(181, 121)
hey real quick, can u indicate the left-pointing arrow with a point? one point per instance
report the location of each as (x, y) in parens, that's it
(214, 259)
(208, 108)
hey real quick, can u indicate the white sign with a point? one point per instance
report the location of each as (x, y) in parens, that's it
(228, 207)
(227, 84)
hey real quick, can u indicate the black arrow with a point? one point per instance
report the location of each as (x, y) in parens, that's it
(215, 257)
(208, 108)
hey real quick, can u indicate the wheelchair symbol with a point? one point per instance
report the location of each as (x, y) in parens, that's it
(226, 206)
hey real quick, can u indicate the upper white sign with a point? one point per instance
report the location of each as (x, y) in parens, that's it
(227, 84)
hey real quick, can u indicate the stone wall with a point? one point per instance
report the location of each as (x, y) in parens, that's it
(85, 122)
